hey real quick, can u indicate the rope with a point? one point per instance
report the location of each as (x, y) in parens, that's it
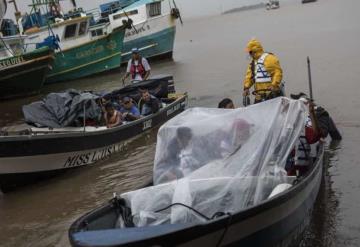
(186, 206)
(6, 47)
(216, 215)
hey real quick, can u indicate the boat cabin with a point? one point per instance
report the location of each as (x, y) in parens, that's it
(71, 32)
(139, 12)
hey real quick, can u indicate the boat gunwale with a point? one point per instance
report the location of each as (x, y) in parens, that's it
(197, 230)
(27, 62)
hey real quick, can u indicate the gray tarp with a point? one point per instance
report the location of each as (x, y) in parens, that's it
(58, 110)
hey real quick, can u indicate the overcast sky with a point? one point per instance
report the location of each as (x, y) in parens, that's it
(189, 8)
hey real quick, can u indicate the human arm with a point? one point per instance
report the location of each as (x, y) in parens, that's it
(133, 115)
(118, 121)
(248, 80)
(127, 73)
(155, 105)
(315, 124)
(272, 65)
(147, 68)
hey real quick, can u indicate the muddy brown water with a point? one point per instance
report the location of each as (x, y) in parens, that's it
(209, 63)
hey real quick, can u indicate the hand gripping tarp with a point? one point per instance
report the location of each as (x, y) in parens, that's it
(217, 160)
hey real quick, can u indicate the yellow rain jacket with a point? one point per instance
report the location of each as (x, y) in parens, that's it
(271, 65)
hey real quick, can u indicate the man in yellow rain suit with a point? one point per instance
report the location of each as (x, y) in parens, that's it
(264, 72)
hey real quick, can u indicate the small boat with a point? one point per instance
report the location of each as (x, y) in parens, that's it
(24, 74)
(21, 73)
(82, 49)
(272, 4)
(212, 206)
(33, 152)
(308, 1)
(153, 22)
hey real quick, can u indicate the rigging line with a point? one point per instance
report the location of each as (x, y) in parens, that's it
(225, 230)
(186, 206)
(7, 48)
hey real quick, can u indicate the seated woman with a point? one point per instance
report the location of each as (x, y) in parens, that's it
(112, 117)
(128, 110)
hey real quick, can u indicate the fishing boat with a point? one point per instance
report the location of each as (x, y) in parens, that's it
(82, 49)
(153, 25)
(24, 74)
(21, 73)
(32, 152)
(241, 199)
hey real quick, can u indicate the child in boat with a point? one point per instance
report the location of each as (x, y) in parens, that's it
(112, 117)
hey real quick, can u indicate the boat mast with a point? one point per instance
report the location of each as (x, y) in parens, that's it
(17, 12)
(37, 3)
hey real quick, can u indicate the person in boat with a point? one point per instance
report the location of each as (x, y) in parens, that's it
(180, 158)
(128, 110)
(264, 73)
(326, 123)
(305, 151)
(138, 67)
(226, 104)
(112, 117)
(232, 140)
(148, 104)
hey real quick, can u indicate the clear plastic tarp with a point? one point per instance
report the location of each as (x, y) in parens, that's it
(217, 160)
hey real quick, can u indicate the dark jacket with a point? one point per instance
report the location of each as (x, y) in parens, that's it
(151, 107)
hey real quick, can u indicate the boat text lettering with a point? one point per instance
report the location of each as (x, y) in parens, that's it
(133, 32)
(173, 109)
(90, 52)
(91, 157)
(11, 62)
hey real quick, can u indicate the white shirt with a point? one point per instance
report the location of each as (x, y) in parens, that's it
(146, 65)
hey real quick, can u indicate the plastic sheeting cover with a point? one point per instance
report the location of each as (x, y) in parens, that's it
(217, 160)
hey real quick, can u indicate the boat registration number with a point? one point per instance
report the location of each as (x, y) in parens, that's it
(147, 124)
(173, 109)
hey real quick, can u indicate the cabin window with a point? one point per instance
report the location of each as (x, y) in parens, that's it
(129, 13)
(70, 31)
(82, 28)
(97, 32)
(154, 9)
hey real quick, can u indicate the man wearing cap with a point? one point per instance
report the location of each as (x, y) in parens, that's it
(129, 111)
(264, 72)
(138, 67)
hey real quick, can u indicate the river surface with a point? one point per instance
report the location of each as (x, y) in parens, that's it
(209, 63)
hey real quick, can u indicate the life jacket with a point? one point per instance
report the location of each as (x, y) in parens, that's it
(306, 146)
(260, 74)
(137, 69)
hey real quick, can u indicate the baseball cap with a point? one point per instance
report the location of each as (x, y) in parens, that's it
(134, 50)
